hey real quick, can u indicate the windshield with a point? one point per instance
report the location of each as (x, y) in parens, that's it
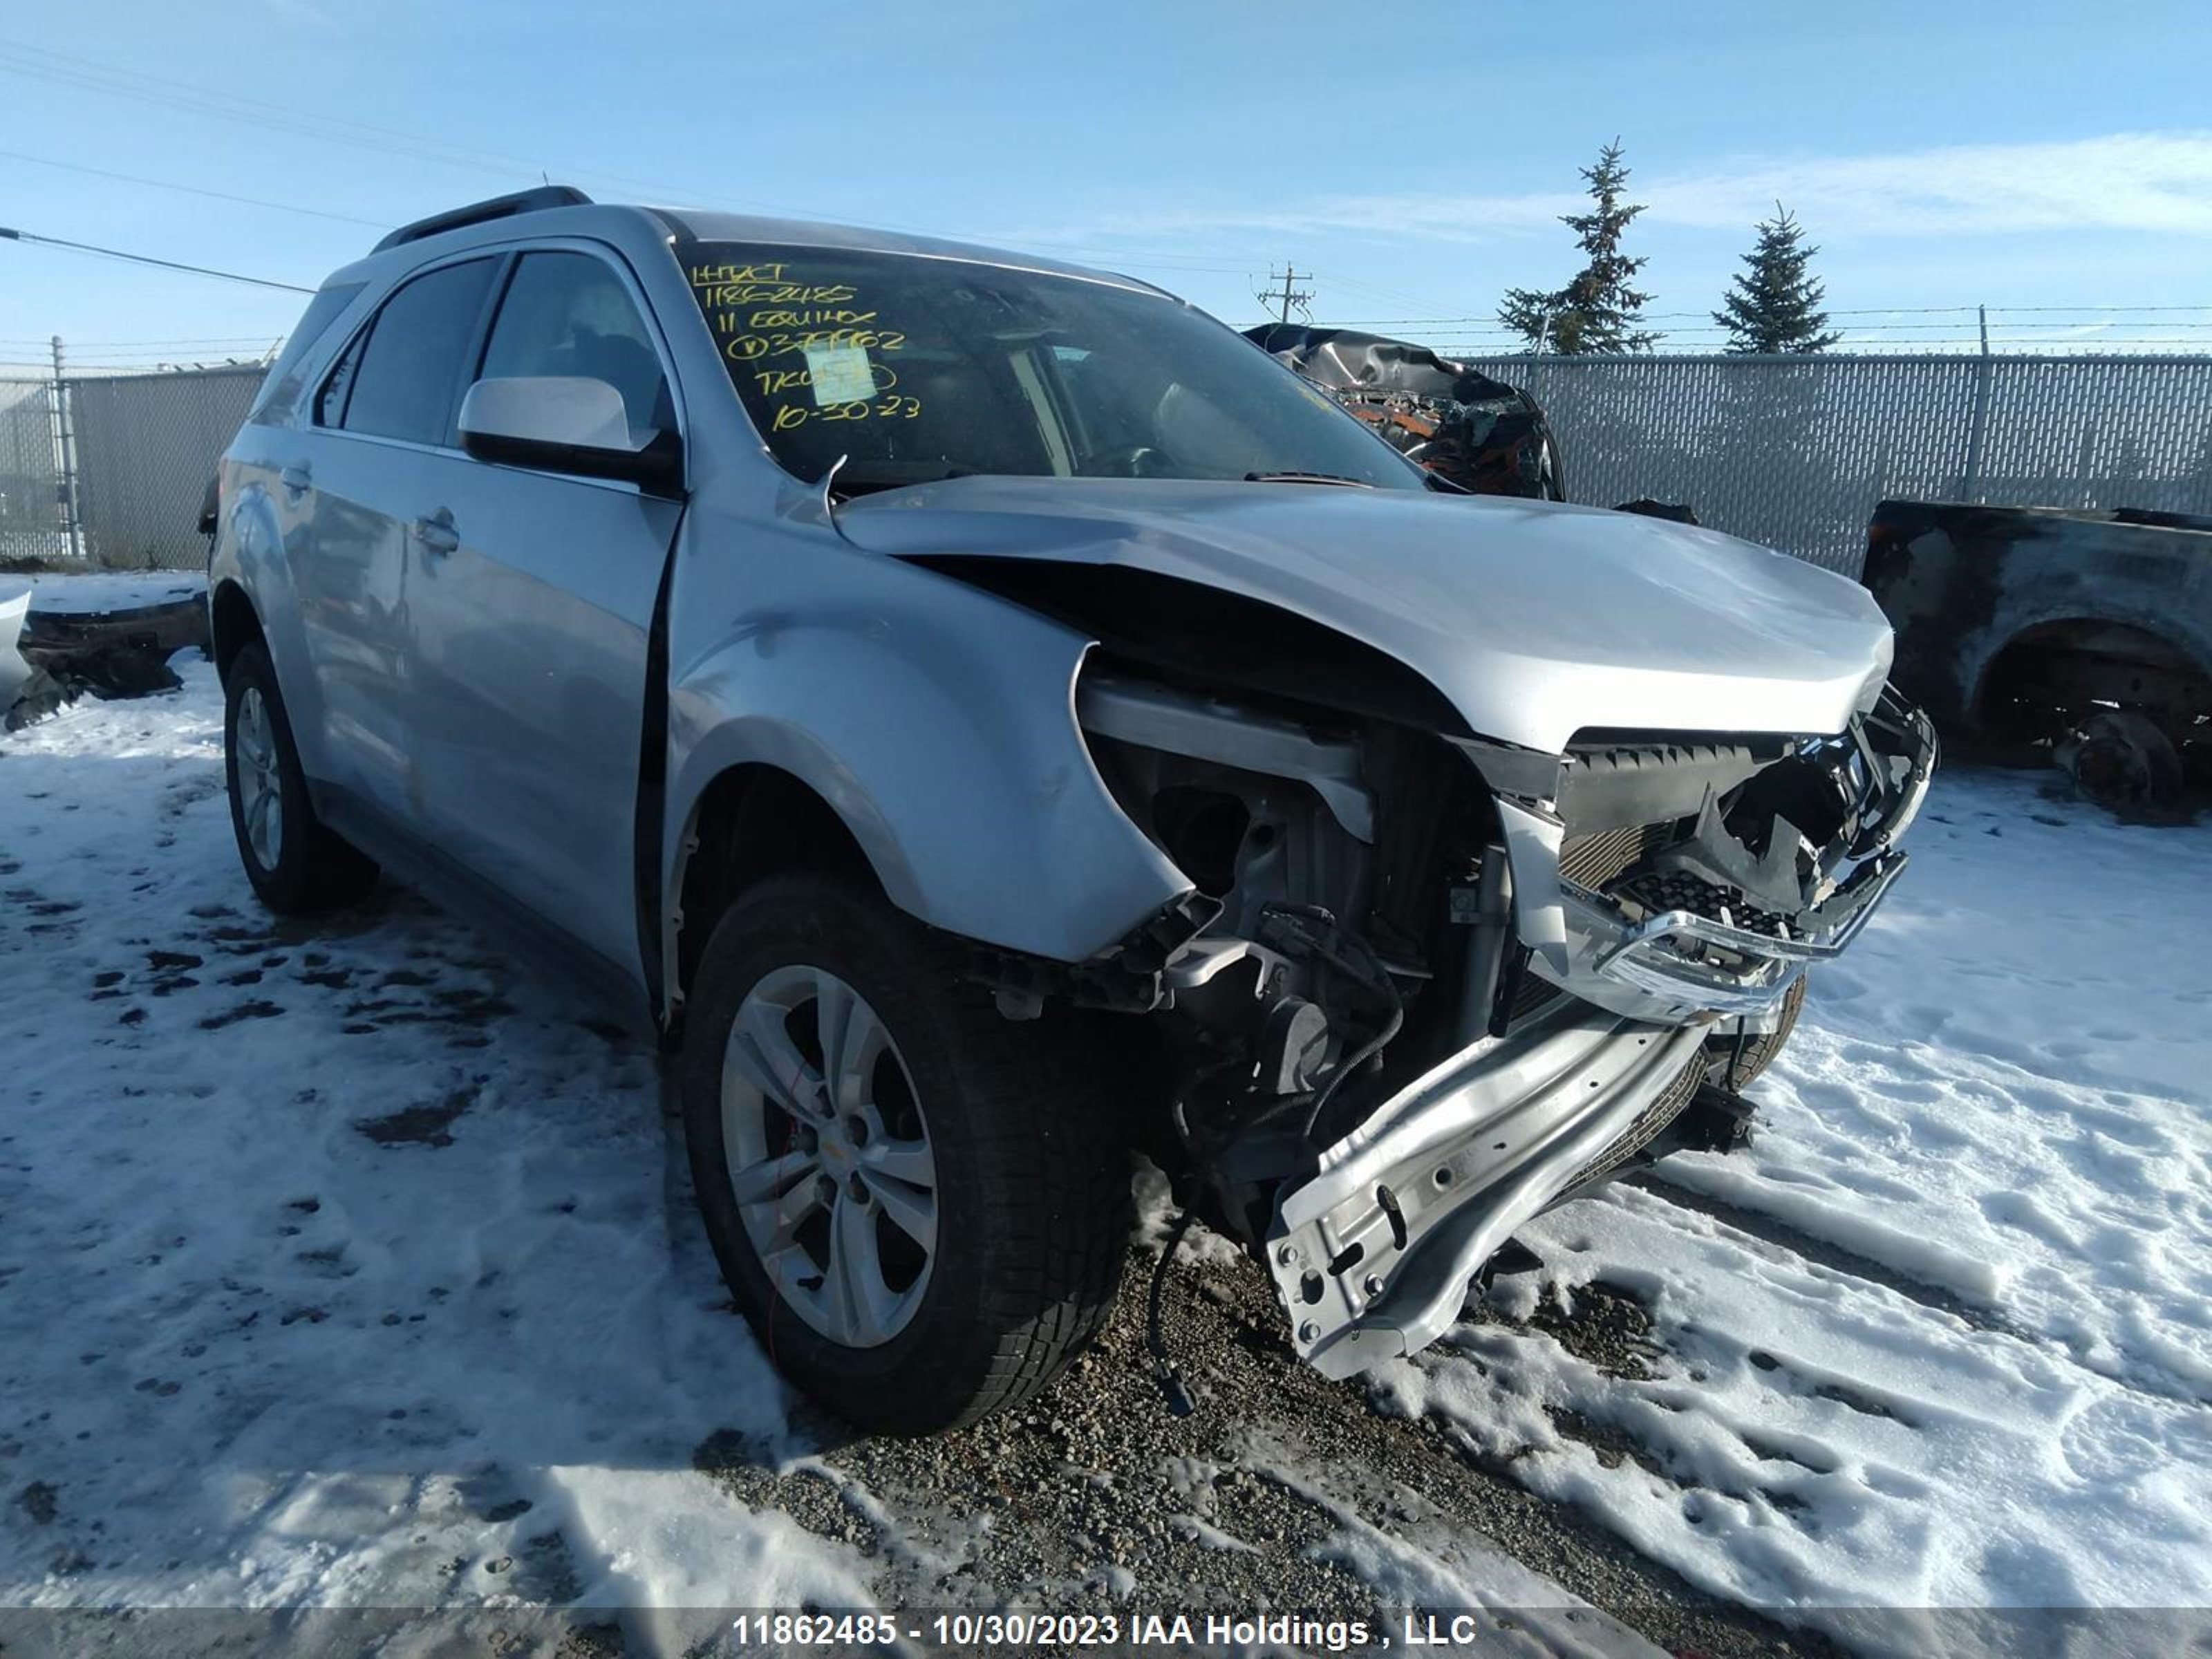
(917, 368)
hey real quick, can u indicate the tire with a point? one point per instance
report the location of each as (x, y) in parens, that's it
(1028, 1189)
(297, 865)
(1730, 1070)
(2122, 760)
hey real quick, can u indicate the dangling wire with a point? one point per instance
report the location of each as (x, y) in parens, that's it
(1163, 1367)
(1736, 1057)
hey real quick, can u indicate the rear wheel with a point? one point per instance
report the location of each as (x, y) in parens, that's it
(2121, 759)
(921, 1206)
(296, 864)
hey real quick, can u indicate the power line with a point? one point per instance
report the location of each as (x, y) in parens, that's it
(42, 64)
(213, 343)
(189, 190)
(9, 235)
(1872, 311)
(2102, 330)
(1337, 280)
(87, 73)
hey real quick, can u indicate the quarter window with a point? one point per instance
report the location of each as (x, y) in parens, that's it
(568, 314)
(281, 385)
(407, 374)
(330, 401)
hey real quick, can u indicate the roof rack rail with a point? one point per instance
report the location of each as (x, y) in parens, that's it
(477, 213)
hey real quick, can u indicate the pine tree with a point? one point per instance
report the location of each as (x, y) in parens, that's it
(1775, 304)
(1597, 311)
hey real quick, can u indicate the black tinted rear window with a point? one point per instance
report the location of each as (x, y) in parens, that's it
(411, 368)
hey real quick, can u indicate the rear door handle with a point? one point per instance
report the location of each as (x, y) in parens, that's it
(298, 476)
(436, 532)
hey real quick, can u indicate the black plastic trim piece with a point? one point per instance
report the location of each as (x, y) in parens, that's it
(536, 200)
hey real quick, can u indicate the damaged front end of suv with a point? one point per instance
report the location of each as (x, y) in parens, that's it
(1427, 982)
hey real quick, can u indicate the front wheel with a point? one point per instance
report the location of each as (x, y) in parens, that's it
(921, 1206)
(1735, 1067)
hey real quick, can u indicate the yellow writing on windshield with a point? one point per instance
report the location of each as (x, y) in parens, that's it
(812, 350)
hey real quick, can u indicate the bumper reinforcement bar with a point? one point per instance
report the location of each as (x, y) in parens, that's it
(1372, 1256)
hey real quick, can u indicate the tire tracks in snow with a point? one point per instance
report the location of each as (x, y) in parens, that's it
(1839, 1259)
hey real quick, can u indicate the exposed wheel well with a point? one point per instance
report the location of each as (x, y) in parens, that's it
(753, 822)
(233, 626)
(2073, 661)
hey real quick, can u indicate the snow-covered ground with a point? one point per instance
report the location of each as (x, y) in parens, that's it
(1947, 1340)
(348, 1267)
(332, 1269)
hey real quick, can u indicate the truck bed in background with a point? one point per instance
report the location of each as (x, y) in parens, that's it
(2090, 632)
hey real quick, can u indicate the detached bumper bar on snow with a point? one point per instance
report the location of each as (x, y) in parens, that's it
(1372, 1257)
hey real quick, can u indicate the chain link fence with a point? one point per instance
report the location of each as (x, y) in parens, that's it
(1792, 451)
(146, 445)
(110, 469)
(1795, 452)
(32, 525)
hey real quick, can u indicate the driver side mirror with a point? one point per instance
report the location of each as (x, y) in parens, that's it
(567, 424)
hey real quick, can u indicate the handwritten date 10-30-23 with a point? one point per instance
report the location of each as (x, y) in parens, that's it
(893, 408)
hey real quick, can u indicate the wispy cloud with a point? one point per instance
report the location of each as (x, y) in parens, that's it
(2147, 182)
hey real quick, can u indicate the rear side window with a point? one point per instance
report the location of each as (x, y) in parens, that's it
(282, 384)
(408, 372)
(569, 314)
(330, 401)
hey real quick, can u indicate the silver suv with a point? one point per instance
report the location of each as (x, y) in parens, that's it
(992, 718)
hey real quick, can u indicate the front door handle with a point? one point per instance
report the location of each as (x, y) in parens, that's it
(436, 532)
(296, 477)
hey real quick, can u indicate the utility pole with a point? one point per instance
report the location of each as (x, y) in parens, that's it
(65, 456)
(1288, 295)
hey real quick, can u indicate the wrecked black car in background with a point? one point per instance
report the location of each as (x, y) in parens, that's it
(1481, 433)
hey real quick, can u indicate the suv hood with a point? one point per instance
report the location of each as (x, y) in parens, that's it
(1535, 620)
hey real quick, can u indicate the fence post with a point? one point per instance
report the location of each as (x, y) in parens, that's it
(65, 456)
(2084, 457)
(1979, 429)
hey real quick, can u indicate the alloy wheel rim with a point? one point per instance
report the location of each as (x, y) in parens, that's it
(260, 792)
(829, 1156)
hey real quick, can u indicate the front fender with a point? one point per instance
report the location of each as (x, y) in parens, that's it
(937, 722)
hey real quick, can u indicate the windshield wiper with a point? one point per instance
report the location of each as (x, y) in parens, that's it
(1308, 477)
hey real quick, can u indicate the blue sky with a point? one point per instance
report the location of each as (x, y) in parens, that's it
(1411, 157)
